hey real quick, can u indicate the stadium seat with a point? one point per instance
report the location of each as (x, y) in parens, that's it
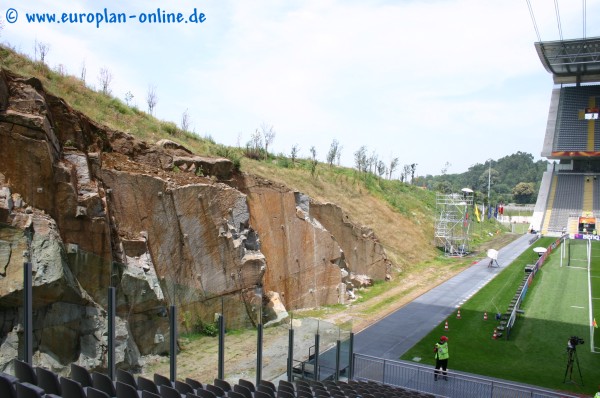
(71, 388)
(224, 385)
(125, 390)
(268, 384)
(25, 372)
(28, 390)
(48, 381)
(194, 383)
(81, 375)
(203, 393)
(245, 391)
(168, 392)
(102, 382)
(184, 388)
(145, 384)
(218, 391)
(126, 377)
(265, 389)
(248, 384)
(234, 394)
(91, 392)
(161, 380)
(7, 385)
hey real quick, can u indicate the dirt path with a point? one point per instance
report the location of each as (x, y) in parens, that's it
(198, 357)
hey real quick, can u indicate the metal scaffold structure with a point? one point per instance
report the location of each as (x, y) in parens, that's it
(453, 221)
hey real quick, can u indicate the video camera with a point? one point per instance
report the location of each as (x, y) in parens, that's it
(573, 342)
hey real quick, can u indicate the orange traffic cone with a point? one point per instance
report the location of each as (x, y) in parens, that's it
(485, 316)
(495, 335)
(458, 315)
(446, 326)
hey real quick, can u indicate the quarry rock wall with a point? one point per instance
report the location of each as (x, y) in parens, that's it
(93, 208)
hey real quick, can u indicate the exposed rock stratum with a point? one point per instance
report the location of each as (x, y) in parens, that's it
(92, 208)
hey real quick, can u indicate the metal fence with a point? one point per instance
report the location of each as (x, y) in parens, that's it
(420, 378)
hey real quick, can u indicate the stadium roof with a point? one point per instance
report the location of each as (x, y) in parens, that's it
(571, 61)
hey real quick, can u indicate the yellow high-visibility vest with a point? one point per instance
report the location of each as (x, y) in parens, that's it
(442, 351)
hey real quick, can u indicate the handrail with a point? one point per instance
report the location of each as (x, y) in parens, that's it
(419, 377)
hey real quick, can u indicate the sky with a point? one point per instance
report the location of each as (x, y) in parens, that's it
(431, 82)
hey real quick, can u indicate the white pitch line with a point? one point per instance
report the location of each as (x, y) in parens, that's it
(576, 306)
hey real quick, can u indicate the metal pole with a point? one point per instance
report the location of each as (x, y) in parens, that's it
(28, 312)
(259, 339)
(290, 364)
(338, 347)
(173, 344)
(351, 357)
(221, 364)
(317, 340)
(112, 299)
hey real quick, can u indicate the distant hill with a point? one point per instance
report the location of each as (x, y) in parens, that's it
(504, 175)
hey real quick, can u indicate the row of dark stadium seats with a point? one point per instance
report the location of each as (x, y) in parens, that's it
(571, 136)
(37, 382)
(568, 200)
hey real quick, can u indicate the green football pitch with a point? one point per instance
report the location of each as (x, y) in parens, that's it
(561, 302)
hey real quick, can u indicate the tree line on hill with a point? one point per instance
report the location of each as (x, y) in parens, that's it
(513, 178)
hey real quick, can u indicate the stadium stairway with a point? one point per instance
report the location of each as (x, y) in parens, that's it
(573, 225)
(542, 199)
(549, 205)
(588, 195)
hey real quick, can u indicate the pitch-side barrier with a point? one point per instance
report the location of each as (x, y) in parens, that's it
(420, 378)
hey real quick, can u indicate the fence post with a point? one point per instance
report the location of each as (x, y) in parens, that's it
(338, 349)
(317, 340)
(112, 313)
(290, 364)
(27, 312)
(221, 361)
(351, 357)
(173, 344)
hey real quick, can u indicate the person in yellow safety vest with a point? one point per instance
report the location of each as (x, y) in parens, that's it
(441, 357)
(598, 393)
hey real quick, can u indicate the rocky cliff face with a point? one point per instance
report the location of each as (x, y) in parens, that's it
(359, 244)
(95, 208)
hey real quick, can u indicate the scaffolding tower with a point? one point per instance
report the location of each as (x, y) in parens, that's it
(453, 222)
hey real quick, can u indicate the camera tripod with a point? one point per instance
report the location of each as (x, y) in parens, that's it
(569, 371)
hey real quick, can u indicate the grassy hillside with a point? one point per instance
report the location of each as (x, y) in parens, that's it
(400, 214)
